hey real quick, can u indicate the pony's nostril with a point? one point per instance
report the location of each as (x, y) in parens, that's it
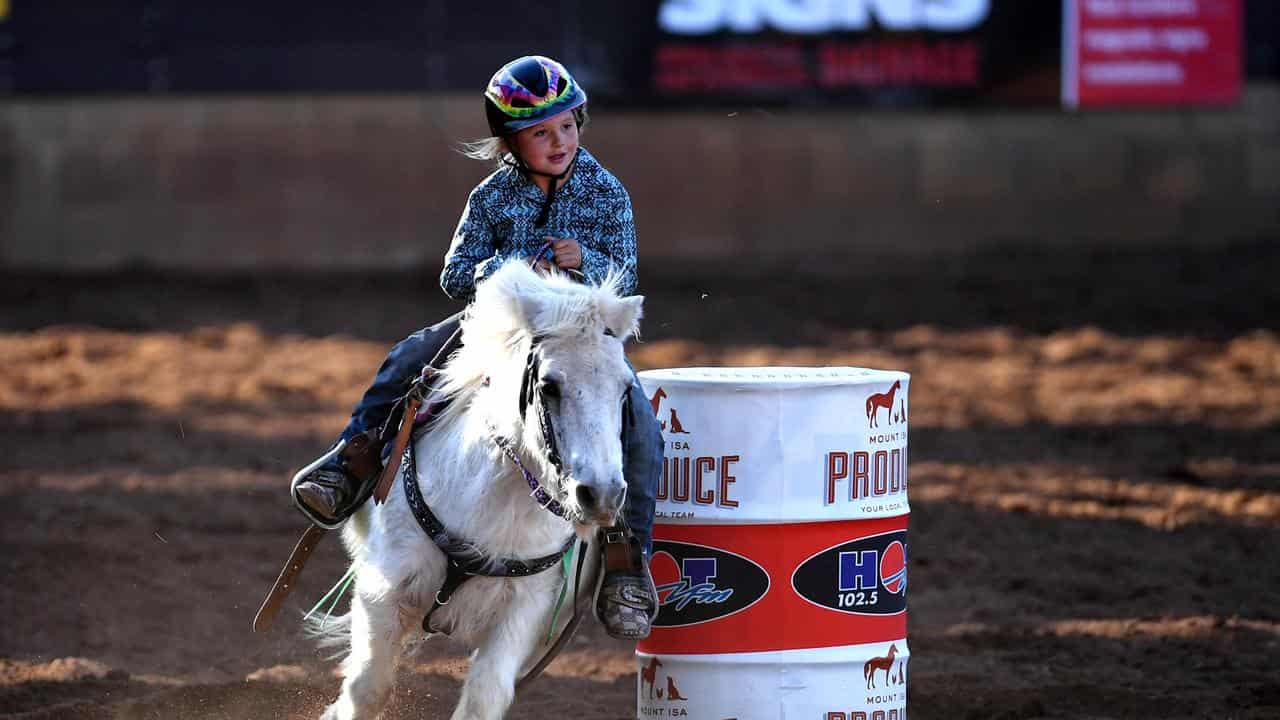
(586, 497)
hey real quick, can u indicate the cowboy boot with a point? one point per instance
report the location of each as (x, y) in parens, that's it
(333, 487)
(327, 492)
(627, 600)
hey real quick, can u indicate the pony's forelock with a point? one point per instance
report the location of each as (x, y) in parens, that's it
(517, 302)
(516, 305)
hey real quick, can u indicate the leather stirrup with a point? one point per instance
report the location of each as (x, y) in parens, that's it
(621, 551)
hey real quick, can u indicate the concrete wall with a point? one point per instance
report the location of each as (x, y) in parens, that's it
(370, 182)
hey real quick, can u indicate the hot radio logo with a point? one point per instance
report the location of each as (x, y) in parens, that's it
(697, 583)
(866, 576)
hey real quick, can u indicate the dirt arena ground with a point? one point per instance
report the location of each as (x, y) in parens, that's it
(1095, 478)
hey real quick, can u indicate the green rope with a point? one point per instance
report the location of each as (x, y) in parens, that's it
(564, 588)
(336, 592)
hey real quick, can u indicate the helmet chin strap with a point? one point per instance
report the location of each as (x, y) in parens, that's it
(520, 165)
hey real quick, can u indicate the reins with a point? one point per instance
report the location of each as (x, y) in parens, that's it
(536, 491)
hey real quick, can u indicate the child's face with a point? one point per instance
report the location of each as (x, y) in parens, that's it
(549, 146)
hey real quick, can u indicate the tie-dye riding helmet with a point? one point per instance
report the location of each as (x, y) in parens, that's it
(528, 90)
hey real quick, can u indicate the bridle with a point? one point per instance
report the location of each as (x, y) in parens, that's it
(530, 395)
(464, 559)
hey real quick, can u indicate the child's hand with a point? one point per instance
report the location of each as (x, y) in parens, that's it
(568, 254)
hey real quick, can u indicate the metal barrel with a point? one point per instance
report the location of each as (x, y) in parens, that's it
(780, 545)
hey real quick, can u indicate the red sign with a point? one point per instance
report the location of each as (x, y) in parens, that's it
(759, 588)
(1151, 52)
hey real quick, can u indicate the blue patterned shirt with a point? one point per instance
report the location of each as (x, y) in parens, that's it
(591, 207)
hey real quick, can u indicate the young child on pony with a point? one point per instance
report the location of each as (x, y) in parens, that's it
(550, 199)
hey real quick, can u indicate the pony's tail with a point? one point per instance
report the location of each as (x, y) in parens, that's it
(322, 626)
(330, 632)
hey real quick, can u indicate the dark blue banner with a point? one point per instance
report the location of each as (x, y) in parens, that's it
(641, 53)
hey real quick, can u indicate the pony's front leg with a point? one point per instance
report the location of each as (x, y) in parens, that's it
(369, 671)
(491, 683)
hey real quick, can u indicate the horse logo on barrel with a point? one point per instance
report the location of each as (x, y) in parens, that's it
(649, 676)
(675, 426)
(885, 400)
(884, 663)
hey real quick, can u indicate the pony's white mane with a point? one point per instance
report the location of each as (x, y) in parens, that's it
(516, 305)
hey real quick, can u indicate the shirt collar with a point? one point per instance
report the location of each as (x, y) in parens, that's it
(585, 166)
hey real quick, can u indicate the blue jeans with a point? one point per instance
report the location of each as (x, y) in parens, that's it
(641, 436)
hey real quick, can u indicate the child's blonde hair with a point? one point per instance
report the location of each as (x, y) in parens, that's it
(492, 149)
(496, 150)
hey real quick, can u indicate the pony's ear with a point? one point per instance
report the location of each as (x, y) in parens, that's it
(623, 318)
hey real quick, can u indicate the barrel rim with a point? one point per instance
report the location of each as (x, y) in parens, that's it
(772, 377)
(836, 654)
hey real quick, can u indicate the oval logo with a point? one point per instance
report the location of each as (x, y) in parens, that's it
(893, 567)
(865, 576)
(698, 584)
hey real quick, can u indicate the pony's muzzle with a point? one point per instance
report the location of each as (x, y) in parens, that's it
(600, 504)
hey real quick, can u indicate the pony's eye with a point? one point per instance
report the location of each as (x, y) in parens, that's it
(550, 388)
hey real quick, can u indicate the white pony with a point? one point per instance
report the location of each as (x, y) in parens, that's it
(563, 423)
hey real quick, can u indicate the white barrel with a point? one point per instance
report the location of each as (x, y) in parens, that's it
(780, 545)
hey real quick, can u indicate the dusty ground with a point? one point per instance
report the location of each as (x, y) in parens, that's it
(1095, 479)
